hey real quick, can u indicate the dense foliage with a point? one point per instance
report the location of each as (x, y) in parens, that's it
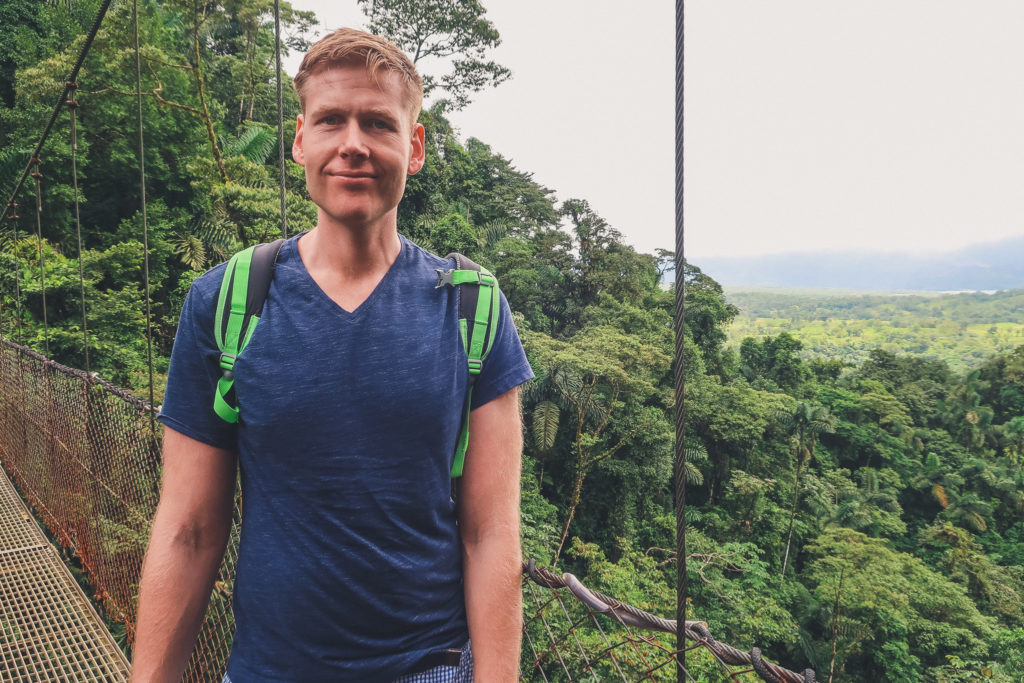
(864, 519)
(961, 329)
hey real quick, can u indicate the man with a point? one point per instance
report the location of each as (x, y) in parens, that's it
(354, 563)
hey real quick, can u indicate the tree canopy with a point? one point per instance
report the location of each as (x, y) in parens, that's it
(862, 515)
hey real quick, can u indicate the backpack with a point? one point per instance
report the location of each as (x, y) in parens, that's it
(244, 289)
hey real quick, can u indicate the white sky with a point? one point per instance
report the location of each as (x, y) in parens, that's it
(810, 124)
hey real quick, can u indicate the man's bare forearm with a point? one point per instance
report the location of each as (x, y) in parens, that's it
(489, 526)
(186, 546)
(492, 569)
(177, 577)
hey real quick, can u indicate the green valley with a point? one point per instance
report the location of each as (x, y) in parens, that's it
(962, 329)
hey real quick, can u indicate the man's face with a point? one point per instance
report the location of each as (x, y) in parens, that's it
(357, 145)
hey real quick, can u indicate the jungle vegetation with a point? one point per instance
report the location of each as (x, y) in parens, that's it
(862, 515)
(963, 329)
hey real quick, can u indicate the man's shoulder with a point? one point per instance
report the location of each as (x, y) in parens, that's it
(419, 256)
(207, 285)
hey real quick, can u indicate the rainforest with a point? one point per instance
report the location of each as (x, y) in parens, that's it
(859, 511)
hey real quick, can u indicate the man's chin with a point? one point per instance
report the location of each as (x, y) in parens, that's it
(351, 219)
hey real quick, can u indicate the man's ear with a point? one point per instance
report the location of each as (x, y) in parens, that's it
(419, 151)
(297, 154)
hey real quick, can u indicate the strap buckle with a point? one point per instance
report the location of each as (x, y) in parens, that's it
(444, 277)
(227, 365)
(475, 365)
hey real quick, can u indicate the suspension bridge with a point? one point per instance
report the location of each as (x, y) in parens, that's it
(82, 456)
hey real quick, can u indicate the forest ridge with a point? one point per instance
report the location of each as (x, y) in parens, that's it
(863, 518)
(963, 329)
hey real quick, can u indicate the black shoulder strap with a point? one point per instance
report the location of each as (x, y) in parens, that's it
(467, 295)
(478, 312)
(250, 270)
(261, 272)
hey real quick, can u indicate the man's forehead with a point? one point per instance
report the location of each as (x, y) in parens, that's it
(383, 79)
(346, 85)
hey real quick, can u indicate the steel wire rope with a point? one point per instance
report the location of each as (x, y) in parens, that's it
(680, 382)
(17, 273)
(695, 631)
(38, 177)
(145, 227)
(72, 105)
(280, 116)
(72, 78)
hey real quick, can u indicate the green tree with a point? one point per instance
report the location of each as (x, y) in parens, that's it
(707, 315)
(731, 420)
(775, 359)
(873, 506)
(453, 32)
(899, 599)
(804, 423)
(617, 373)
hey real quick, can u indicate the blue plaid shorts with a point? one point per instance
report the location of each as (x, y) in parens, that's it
(463, 673)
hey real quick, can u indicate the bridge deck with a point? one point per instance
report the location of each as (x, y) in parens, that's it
(49, 631)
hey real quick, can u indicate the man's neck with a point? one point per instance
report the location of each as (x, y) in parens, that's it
(349, 253)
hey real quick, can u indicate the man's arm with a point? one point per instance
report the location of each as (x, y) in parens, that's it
(190, 532)
(489, 524)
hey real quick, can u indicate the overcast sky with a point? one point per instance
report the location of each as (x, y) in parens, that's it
(810, 124)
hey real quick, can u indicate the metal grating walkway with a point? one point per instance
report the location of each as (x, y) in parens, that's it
(49, 631)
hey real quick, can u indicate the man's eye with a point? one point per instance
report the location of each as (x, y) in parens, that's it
(329, 120)
(380, 124)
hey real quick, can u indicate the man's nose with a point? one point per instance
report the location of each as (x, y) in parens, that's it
(353, 142)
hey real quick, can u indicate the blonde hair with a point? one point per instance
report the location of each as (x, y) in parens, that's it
(347, 47)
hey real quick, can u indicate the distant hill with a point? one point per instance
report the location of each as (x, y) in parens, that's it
(988, 266)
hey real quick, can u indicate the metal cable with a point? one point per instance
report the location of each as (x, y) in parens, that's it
(145, 227)
(694, 631)
(280, 115)
(17, 271)
(72, 78)
(72, 111)
(680, 381)
(38, 177)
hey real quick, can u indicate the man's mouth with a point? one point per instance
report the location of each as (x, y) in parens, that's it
(354, 176)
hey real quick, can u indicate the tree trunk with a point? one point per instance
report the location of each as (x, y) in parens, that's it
(573, 503)
(250, 54)
(200, 86)
(835, 628)
(792, 514)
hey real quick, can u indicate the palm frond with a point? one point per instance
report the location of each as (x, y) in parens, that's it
(191, 250)
(692, 474)
(545, 425)
(494, 231)
(568, 383)
(256, 143)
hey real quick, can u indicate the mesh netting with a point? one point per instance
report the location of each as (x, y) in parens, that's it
(49, 630)
(85, 454)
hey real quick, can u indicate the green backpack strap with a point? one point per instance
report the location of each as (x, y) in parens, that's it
(478, 314)
(243, 290)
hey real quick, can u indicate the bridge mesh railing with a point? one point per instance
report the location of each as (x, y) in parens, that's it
(85, 455)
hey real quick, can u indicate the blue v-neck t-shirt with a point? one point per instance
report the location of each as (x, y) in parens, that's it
(349, 565)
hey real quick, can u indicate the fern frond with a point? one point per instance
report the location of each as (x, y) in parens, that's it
(545, 425)
(255, 143)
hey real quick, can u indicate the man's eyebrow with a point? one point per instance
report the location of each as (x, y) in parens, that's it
(381, 114)
(325, 109)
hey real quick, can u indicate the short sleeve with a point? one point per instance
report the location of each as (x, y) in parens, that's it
(195, 369)
(505, 366)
